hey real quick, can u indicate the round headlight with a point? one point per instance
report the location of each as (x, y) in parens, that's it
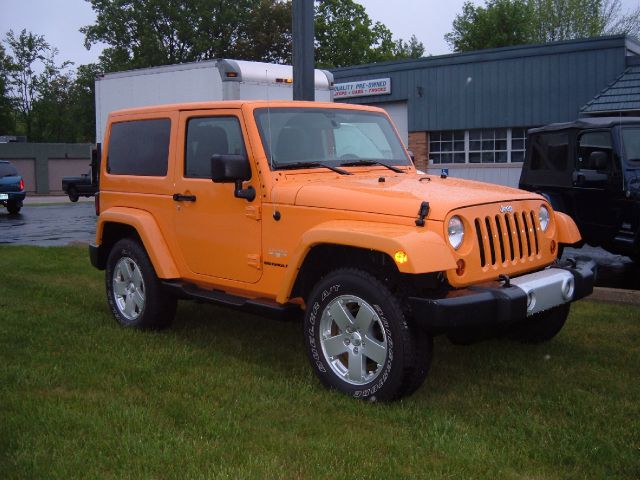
(543, 215)
(455, 231)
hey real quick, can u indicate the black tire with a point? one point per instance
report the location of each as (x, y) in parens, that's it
(134, 293)
(542, 326)
(401, 355)
(14, 207)
(73, 194)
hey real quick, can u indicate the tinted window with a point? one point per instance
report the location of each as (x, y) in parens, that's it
(7, 170)
(590, 143)
(550, 152)
(209, 136)
(631, 140)
(140, 147)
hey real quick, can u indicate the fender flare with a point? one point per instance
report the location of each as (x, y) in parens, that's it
(150, 234)
(425, 249)
(568, 232)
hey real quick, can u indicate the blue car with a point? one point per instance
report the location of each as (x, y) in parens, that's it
(11, 187)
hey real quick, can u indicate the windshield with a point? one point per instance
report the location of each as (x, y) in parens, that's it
(327, 135)
(631, 142)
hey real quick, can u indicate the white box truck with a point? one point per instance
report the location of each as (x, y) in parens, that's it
(209, 80)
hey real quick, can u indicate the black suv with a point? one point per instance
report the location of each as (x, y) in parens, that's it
(590, 169)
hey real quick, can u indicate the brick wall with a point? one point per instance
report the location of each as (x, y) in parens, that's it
(419, 145)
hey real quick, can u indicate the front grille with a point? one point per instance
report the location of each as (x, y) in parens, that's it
(507, 237)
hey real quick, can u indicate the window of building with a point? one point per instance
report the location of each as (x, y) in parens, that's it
(502, 145)
(139, 147)
(447, 147)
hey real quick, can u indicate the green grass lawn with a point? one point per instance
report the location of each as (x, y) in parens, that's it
(229, 395)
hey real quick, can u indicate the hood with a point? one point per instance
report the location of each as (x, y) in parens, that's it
(400, 195)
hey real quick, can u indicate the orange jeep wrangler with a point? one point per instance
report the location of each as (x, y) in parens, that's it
(284, 207)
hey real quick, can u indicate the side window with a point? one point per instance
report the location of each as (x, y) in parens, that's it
(550, 152)
(207, 136)
(595, 151)
(139, 147)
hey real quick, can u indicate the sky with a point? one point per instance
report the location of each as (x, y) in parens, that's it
(60, 20)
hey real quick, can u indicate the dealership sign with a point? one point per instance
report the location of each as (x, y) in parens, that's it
(378, 86)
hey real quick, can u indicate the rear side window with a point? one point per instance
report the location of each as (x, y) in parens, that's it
(139, 147)
(550, 152)
(8, 170)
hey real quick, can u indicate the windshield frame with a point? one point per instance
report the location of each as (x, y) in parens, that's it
(268, 137)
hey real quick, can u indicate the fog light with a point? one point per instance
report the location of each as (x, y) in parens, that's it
(531, 301)
(401, 257)
(460, 265)
(567, 289)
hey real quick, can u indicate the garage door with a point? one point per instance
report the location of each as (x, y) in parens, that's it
(64, 167)
(27, 168)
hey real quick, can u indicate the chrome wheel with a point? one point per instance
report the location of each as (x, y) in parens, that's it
(128, 288)
(353, 339)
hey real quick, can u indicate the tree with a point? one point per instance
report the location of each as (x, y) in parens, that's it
(513, 22)
(144, 33)
(32, 74)
(499, 23)
(345, 35)
(7, 123)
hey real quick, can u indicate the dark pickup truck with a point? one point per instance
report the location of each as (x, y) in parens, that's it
(79, 186)
(86, 184)
(590, 170)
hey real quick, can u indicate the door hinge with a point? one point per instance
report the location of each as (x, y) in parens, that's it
(254, 260)
(252, 211)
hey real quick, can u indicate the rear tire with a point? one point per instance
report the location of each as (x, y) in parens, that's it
(14, 207)
(358, 339)
(542, 326)
(73, 194)
(134, 292)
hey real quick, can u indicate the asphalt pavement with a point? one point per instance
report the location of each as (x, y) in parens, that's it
(49, 221)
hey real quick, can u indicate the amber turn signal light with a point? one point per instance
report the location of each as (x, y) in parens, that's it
(460, 265)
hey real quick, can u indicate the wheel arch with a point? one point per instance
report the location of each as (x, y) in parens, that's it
(364, 245)
(121, 222)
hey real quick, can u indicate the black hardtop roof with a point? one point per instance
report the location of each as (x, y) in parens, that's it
(588, 122)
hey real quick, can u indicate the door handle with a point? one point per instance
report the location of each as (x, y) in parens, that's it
(178, 197)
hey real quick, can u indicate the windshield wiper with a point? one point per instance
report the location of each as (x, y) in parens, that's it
(356, 163)
(292, 166)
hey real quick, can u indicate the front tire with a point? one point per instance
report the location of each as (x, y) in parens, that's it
(134, 292)
(359, 341)
(542, 326)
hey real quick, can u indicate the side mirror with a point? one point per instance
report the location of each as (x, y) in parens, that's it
(229, 168)
(598, 160)
(233, 169)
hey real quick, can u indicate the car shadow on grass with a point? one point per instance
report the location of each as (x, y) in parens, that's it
(226, 334)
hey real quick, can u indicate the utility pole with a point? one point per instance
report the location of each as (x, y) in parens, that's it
(303, 58)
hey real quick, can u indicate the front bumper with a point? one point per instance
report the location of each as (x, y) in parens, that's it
(512, 302)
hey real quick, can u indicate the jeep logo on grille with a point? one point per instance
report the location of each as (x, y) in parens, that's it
(506, 209)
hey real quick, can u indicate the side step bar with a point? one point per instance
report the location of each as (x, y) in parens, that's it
(264, 307)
